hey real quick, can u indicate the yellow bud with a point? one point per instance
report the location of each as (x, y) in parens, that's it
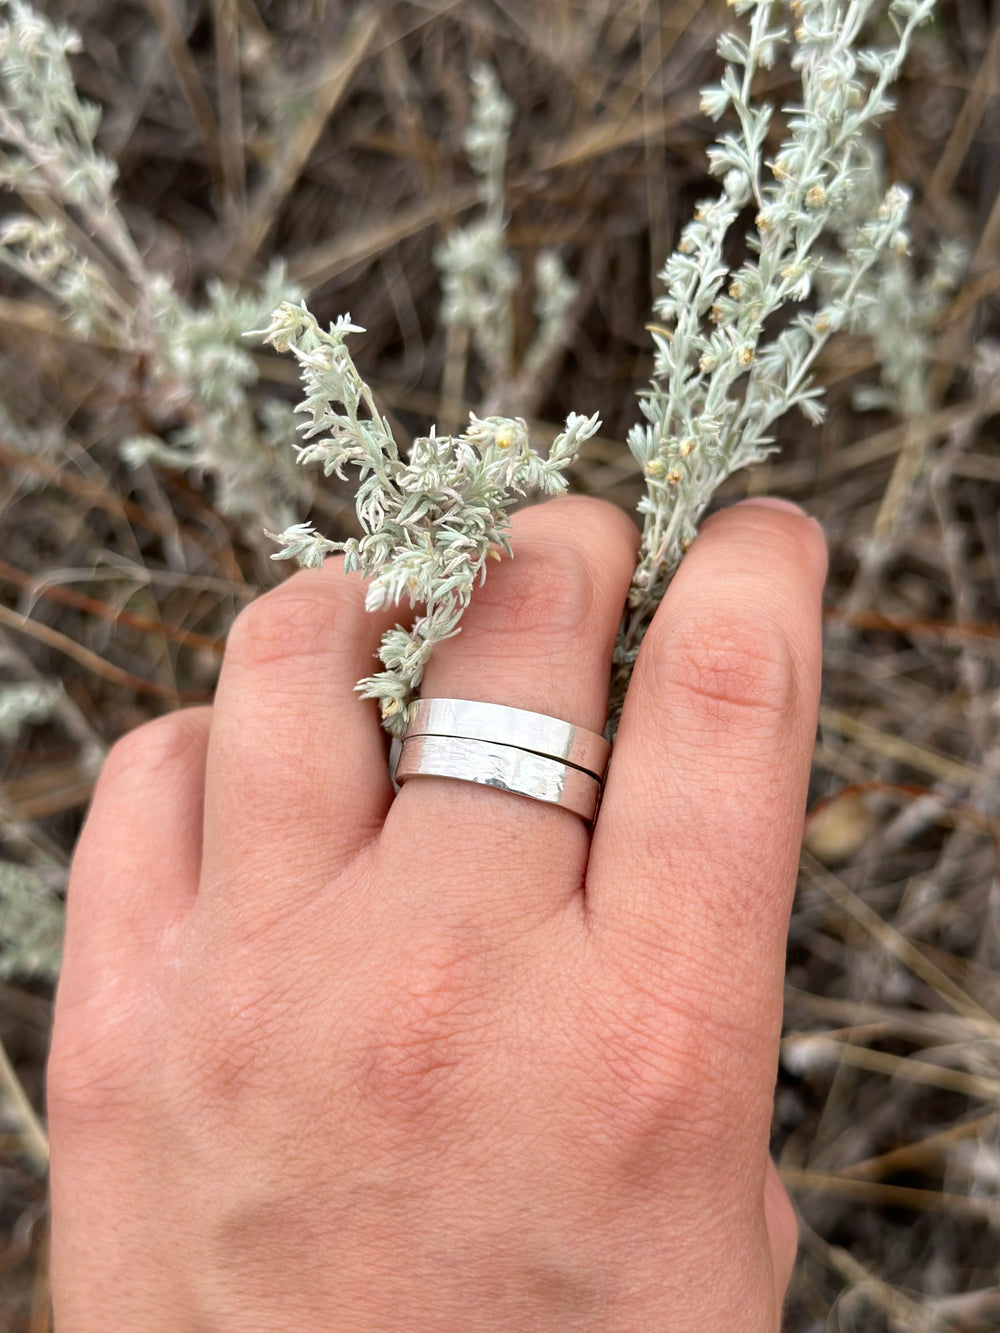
(685, 447)
(674, 476)
(505, 437)
(815, 197)
(746, 356)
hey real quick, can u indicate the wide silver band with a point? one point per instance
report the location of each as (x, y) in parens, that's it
(501, 725)
(504, 767)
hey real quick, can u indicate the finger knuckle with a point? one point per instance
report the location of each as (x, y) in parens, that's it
(668, 1072)
(418, 1040)
(238, 1043)
(558, 598)
(304, 618)
(736, 671)
(82, 1091)
(92, 1075)
(154, 745)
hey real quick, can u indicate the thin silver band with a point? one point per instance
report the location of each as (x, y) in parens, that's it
(501, 766)
(498, 724)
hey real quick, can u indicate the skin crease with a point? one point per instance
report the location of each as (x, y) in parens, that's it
(331, 1060)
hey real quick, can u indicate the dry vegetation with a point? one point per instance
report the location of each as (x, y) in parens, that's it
(330, 133)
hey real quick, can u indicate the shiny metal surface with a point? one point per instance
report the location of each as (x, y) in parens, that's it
(537, 732)
(501, 766)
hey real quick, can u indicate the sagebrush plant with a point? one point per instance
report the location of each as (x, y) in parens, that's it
(31, 924)
(899, 318)
(734, 348)
(722, 377)
(479, 278)
(23, 702)
(31, 909)
(430, 521)
(75, 245)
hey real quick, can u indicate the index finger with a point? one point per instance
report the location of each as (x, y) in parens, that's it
(694, 856)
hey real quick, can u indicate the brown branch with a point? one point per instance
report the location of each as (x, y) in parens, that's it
(55, 593)
(92, 661)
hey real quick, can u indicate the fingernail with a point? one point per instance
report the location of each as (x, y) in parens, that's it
(775, 502)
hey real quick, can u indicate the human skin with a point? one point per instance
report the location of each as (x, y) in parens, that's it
(339, 1061)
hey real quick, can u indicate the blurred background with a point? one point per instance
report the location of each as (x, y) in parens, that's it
(144, 447)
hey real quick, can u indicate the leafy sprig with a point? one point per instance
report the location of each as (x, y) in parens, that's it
(430, 521)
(721, 379)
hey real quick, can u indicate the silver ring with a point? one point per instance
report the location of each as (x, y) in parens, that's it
(500, 766)
(496, 723)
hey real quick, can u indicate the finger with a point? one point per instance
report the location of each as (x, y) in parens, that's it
(695, 853)
(538, 636)
(297, 772)
(782, 1229)
(137, 862)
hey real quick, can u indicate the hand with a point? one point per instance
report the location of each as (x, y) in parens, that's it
(331, 1060)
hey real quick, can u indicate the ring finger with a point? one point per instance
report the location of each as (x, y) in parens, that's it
(538, 636)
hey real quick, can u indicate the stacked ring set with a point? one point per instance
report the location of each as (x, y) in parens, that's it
(511, 749)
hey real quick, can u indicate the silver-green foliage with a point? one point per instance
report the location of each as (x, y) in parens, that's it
(722, 378)
(899, 318)
(479, 278)
(735, 350)
(76, 246)
(431, 521)
(25, 701)
(31, 924)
